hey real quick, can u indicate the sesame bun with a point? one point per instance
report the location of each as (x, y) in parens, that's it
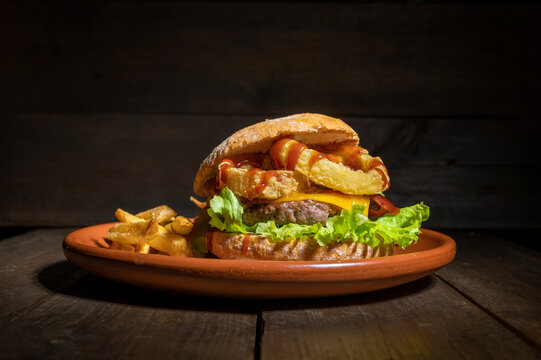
(310, 129)
(249, 246)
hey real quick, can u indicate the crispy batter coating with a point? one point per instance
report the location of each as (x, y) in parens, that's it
(311, 129)
(371, 179)
(261, 184)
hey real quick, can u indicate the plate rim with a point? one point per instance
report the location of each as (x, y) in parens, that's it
(275, 271)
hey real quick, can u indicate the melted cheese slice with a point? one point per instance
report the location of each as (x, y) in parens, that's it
(335, 198)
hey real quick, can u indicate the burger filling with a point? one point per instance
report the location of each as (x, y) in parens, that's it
(304, 212)
(331, 194)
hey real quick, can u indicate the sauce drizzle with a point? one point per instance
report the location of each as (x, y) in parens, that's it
(264, 179)
(275, 151)
(293, 155)
(348, 155)
(351, 156)
(314, 159)
(374, 165)
(253, 160)
(294, 152)
(222, 168)
(252, 174)
(258, 178)
(245, 243)
(316, 156)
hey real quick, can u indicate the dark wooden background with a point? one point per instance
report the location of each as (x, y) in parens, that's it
(115, 104)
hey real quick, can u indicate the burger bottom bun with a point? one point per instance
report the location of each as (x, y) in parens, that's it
(254, 247)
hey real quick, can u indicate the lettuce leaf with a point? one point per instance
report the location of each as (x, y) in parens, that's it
(226, 212)
(198, 242)
(403, 229)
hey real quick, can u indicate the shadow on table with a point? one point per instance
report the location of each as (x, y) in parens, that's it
(409, 289)
(66, 278)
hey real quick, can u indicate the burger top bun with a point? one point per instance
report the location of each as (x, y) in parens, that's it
(310, 129)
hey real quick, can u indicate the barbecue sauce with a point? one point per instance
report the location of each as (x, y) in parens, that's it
(264, 178)
(245, 243)
(374, 165)
(349, 155)
(222, 168)
(275, 151)
(316, 156)
(253, 160)
(256, 175)
(352, 157)
(252, 174)
(294, 152)
(292, 157)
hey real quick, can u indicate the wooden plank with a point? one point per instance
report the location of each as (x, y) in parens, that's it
(32, 267)
(385, 59)
(9, 231)
(423, 320)
(502, 277)
(96, 318)
(76, 169)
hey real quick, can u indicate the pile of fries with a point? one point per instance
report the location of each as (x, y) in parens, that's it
(154, 231)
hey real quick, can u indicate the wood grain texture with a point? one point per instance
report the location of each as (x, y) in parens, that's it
(76, 169)
(100, 319)
(83, 316)
(500, 276)
(23, 260)
(385, 59)
(423, 320)
(46, 315)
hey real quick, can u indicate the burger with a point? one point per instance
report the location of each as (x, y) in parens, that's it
(299, 188)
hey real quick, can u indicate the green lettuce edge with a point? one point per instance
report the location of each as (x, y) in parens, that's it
(403, 229)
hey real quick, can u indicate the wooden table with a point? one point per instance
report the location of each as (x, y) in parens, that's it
(485, 305)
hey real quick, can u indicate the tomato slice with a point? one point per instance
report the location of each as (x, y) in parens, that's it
(380, 205)
(375, 211)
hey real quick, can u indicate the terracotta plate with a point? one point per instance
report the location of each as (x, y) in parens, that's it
(257, 279)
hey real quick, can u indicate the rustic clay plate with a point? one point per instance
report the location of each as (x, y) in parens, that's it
(257, 279)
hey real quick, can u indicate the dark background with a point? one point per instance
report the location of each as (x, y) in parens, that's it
(115, 104)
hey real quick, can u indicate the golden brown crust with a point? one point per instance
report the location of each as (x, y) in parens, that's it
(310, 129)
(365, 181)
(281, 184)
(254, 247)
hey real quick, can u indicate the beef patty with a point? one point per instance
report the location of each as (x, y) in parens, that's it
(305, 212)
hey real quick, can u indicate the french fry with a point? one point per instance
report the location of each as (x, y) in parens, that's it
(126, 238)
(125, 216)
(142, 248)
(161, 213)
(162, 242)
(154, 228)
(128, 233)
(180, 225)
(144, 232)
(131, 227)
(119, 246)
(180, 247)
(172, 244)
